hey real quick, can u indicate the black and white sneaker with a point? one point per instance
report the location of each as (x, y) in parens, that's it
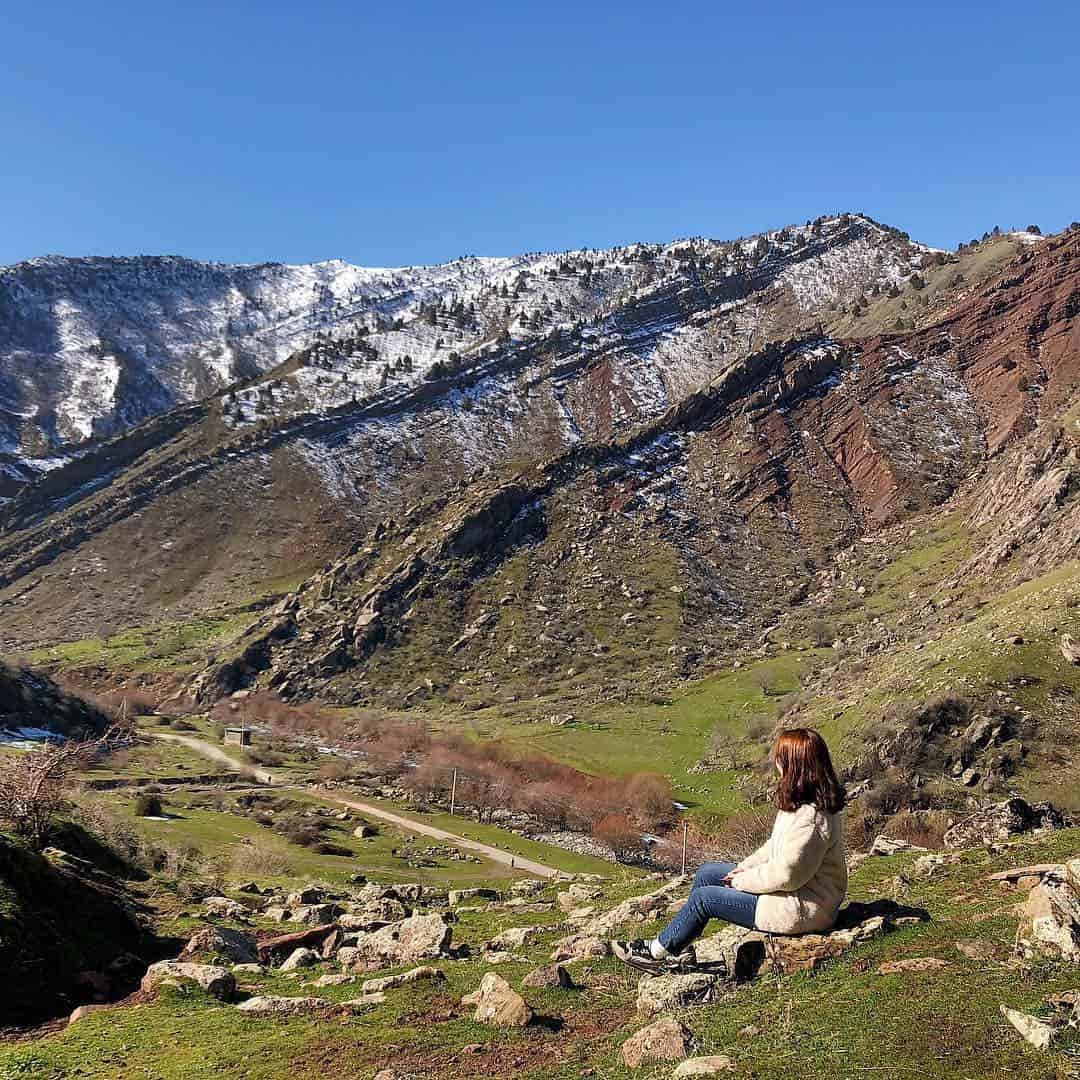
(638, 955)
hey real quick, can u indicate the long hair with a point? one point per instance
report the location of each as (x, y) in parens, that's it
(806, 773)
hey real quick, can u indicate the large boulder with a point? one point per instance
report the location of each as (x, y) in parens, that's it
(498, 1004)
(221, 943)
(277, 948)
(666, 1040)
(215, 980)
(314, 914)
(419, 937)
(666, 993)
(549, 977)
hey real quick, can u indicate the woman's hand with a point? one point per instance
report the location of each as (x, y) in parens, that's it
(729, 881)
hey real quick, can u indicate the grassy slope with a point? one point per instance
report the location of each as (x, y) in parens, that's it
(843, 1021)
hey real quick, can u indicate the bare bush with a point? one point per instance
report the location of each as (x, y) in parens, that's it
(742, 832)
(619, 833)
(35, 785)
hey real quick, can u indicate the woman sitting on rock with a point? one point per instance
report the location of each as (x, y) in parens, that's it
(793, 884)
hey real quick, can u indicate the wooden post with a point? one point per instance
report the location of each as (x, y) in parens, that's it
(684, 848)
(453, 792)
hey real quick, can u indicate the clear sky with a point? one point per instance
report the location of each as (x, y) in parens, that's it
(402, 132)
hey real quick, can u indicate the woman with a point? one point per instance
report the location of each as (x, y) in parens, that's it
(793, 884)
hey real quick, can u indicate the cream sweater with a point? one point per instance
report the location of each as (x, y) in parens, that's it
(799, 873)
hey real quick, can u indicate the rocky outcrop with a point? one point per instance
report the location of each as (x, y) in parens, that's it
(997, 822)
(419, 937)
(221, 943)
(215, 980)
(665, 993)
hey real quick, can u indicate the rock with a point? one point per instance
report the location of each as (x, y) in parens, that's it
(247, 969)
(460, 896)
(970, 777)
(997, 822)
(637, 908)
(1050, 923)
(271, 1005)
(666, 1040)
(577, 896)
(301, 958)
(1037, 870)
(249, 887)
(374, 914)
(1037, 1032)
(580, 947)
(215, 980)
(550, 976)
(527, 887)
(1069, 649)
(419, 937)
(887, 845)
(391, 982)
(979, 949)
(314, 914)
(85, 1010)
(913, 965)
(334, 979)
(364, 832)
(926, 866)
(221, 907)
(364, 1001)
(223, 944)
(661, 993)
(1072, 873)
(281, 946)
(498, 1004)
(704, 1066)
(305, 897)
(276, 913)
(516, 937)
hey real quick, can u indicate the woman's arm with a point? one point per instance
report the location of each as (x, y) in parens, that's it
(755, 858)
(794, 864)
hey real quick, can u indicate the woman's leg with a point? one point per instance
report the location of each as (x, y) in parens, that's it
(712, 873)
(705, 903)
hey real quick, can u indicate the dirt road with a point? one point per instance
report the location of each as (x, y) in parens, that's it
(264, 776)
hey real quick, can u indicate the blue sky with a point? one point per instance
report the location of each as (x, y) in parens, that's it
(400, 133)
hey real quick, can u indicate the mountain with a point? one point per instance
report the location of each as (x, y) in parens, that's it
(90, 347)
(264, 481)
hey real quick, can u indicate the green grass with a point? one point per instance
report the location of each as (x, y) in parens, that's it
(843, 1021)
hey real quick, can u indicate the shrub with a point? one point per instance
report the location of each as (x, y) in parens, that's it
(742, 832)
(184, 725)
(148, 804)
(618, 832)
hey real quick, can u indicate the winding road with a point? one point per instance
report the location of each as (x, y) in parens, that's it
(264, 776)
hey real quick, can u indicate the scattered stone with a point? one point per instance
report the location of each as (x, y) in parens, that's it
(1050, 923)
(1037, 1032)
(999, 821)
(391, 982)
(459, 896)
(272, 1005)
(215, 980)
(314, 914)
(283, 945)
(661, 993)
(637, 908)
(527, 887)
(979, 949)
(704, 1066)
(888, 845)
(1038, 870)
(301, 958)
(498, 1004)
(917, 965)
(305, 897)
(1069, 649)
(666, 1040)
(577, 896)
(364, 832)
(550, 976)
(221, 943)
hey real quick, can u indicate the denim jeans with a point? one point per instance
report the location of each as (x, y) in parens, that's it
(709, 900)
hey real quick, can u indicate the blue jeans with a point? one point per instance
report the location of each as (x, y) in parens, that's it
(709, 900)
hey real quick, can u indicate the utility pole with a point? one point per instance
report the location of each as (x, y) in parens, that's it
(684, 848)
(453, 793)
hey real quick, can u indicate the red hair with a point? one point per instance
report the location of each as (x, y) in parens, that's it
(806, 773)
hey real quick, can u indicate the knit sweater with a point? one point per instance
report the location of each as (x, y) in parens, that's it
(799, 873)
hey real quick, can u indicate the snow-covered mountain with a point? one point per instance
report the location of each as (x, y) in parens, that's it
(92, 346)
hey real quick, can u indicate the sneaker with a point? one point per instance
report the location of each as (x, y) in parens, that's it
(638, 954)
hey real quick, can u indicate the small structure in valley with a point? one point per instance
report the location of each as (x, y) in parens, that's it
(238, 735)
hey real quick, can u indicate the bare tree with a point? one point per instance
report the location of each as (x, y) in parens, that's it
(34, 786)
